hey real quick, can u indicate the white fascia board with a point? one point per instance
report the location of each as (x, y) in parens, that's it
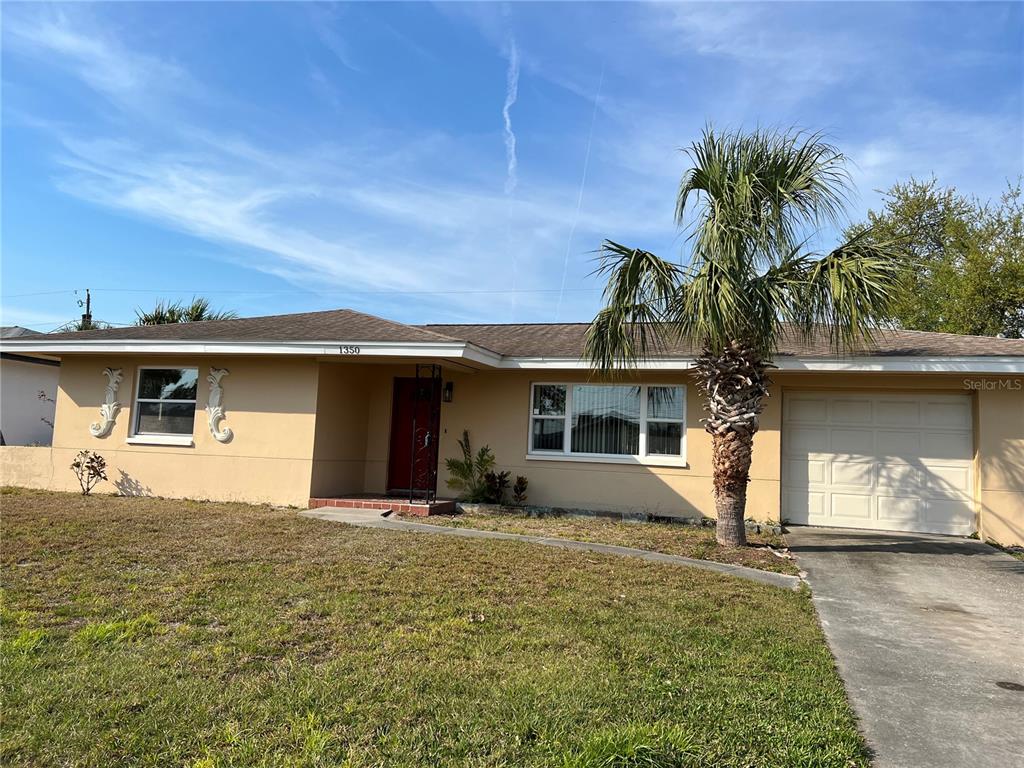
(482, 356)
(456, 349)
(907, 364)
(570, 363)
(878, 364)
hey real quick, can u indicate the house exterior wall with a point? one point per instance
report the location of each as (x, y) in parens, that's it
(306, 428)
(270, 405)
(343, 425)
(495, 408)
(21, 410)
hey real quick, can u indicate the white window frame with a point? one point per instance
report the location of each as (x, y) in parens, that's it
(566, 453)
(160, 438)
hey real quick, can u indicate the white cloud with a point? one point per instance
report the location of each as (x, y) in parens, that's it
(100, 60)
(763, 39)
(326, 20)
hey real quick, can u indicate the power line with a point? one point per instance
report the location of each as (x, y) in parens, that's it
(282, 291)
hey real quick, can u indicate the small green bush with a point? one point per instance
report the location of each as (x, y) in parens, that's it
(519, 490)
(89, 467)
(469, 474)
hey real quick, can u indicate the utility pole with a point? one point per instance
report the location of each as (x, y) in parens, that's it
(87, 315)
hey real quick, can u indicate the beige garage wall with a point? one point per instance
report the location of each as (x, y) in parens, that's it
(1000, 476)
(270, 405)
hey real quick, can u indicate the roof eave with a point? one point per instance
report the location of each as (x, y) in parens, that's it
(482, 356)
(865, 363)
(339, 348)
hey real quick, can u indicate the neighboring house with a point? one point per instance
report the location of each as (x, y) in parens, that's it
(25, 417)
(924, 432)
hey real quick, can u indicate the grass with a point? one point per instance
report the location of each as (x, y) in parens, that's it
(152, 632)
(670, 538)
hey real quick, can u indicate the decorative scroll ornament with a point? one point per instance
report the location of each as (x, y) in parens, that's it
(110, 407)
(214, 410)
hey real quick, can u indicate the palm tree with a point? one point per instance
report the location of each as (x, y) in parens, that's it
(198, 310)
(753, 202)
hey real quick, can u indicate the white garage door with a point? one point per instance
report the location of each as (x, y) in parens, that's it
(886, 461)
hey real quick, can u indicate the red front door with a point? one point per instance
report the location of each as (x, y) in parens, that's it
(420, 398)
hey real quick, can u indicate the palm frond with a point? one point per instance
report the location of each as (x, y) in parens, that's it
(751, 194)
(848, 292)
(640, 287)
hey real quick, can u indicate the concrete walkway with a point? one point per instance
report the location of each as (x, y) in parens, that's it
(369, 518)
(928, 634)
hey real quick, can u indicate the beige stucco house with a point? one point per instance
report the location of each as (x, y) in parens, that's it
(922, 432)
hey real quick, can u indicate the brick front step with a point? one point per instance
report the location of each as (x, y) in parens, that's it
(399, 506)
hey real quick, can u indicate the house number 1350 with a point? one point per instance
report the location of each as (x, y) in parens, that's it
(349, 350)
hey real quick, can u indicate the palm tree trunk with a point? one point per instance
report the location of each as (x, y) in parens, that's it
(731, 454)
(734, 385)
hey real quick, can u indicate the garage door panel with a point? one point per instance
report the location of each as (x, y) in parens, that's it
(802, 473)
(852, 412)
(897, 413)
(887, 461)
(948, 481)
(946, 445)
(901, 509)
(897, 444)
(852, 442)
(947, 414)
(853, 505)
(898, 476)
(808, 440)
(802, 507)
(804, 408)
(952, 513)
(856, 473)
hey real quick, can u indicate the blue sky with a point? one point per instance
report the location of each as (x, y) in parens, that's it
(444, 162)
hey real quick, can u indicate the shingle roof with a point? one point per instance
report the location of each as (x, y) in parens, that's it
(566, 340)
(548, 340)
(332, 325)
(14, 331)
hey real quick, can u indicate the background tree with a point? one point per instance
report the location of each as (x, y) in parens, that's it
(755, 200)
(177, 312)
(962, 260)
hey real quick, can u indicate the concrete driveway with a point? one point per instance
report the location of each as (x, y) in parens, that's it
(928, 633)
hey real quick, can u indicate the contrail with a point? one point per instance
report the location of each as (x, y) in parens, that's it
(579, 198)
(511, 94)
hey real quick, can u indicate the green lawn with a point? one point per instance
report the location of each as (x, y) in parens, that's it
(166, 633)
(670, 538)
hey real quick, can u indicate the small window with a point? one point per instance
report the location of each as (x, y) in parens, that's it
(547, 425)
(664, 421)
(166, 401)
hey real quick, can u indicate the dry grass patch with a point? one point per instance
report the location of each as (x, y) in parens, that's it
(670, 538)
(173, 633)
